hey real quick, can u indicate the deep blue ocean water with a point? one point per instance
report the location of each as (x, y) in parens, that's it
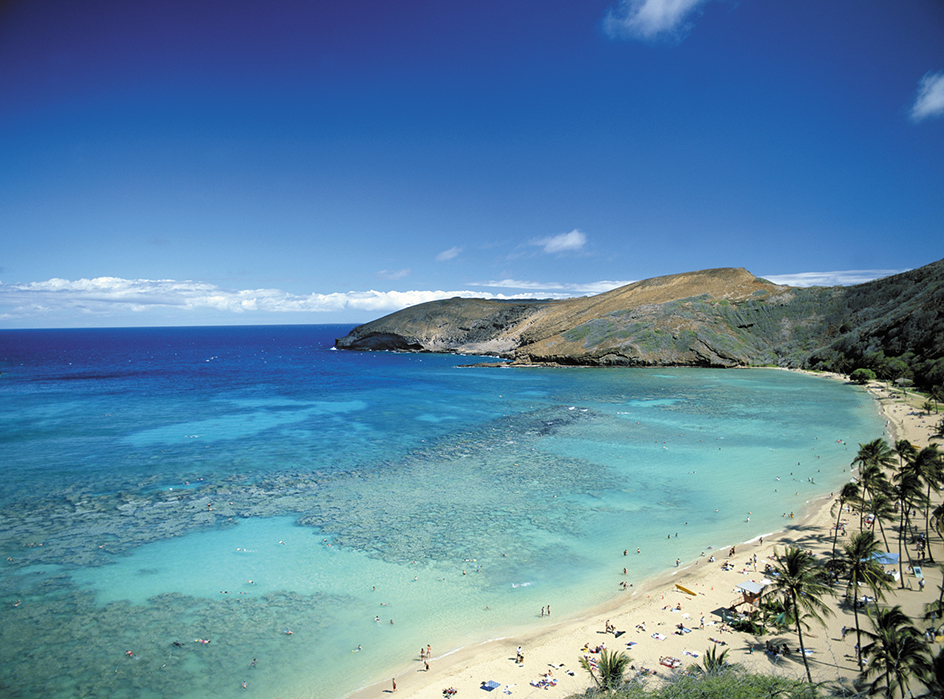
(168, 486)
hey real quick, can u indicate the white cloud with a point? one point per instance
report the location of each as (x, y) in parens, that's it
(448, 254)
(566, 289)
(649, 19)
(105, 300)
(930, 99)
(846, 278)
(393, 275)
(110, 297)
(565, 242)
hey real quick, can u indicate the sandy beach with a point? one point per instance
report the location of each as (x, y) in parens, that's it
(661, 621)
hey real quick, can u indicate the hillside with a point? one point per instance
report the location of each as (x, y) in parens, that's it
(718, 317)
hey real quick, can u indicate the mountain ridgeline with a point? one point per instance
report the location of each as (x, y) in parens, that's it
(712, 318)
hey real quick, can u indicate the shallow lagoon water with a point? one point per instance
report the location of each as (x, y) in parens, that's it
(160, 469)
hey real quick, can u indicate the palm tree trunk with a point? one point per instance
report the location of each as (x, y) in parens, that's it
(855, 613)
(940, 597)
(836, 531)
(901, 533)
(796, 610)
(882, 530)
(927, 526)
(908, 528)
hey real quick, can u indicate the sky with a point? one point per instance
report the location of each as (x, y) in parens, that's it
(189, 162)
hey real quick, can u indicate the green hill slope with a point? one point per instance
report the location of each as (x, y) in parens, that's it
(720, 317)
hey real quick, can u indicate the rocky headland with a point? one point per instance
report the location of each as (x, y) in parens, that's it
(711, 318)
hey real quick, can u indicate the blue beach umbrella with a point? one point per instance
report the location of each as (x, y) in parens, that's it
(885, 559)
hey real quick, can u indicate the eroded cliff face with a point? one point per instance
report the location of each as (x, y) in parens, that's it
(463, 326)
(712, 318)
(649, 322)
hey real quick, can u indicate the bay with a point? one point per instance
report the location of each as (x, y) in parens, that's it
(179, 485)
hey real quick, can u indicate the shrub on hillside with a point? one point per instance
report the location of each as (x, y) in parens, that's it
(862, 376)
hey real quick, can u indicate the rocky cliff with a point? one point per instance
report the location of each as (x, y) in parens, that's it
(716, 317)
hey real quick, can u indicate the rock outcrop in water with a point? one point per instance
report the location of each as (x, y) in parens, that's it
(713, 318)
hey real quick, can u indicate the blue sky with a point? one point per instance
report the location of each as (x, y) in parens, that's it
(180, 163)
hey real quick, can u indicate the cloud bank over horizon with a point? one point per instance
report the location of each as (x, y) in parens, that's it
(159, 301)
(107, 297)
(844, 278)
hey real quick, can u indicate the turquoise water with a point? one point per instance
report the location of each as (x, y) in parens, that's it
(150, 475)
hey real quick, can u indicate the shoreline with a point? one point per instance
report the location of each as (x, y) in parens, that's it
(553, 652)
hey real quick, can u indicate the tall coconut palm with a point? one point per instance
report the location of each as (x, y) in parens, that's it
(933, 611)
(848, 494)
(934, 681)
(873, 459)
(883, 507)
(872, 480)
(906, 451)
(928, 465)
(798, 579)
(937, 519)
(937, 395)
(609, 671)
(897, 653)
(875, 452)
(909, 492)
(860, 565)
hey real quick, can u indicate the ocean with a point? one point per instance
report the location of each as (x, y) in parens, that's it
(185, 510)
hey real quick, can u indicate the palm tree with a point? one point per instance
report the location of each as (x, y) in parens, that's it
(875, 452)
(934, 682)
(937, 395)
(937, 518)
(609, 670)
(897, 653)
(862, 568)
(906, 451)
(935, 610)
(908, 491)
(714, 662)
(883, 507)
(872, 480)
(849, 493)
(927, 464)
(799, 581)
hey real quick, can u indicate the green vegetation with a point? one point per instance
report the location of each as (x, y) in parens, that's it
(859, 564)
(896, 655)
(896, 661)
(800, 581)
(722, 683)
(607, 672)
(890, 329)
